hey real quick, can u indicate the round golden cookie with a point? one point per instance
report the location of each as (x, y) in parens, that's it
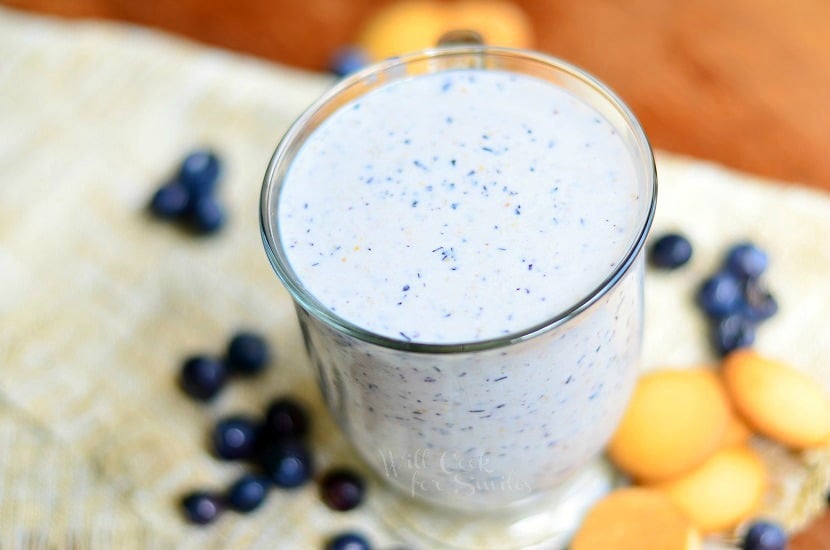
(777, 400)
(411, 25)
(639, 518)
(404, 26)
(722, 491)
(675, 420)
(500, 23)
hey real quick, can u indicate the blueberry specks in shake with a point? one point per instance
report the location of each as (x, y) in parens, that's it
(427, 190)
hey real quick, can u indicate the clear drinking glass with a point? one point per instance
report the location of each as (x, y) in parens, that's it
(565, 381)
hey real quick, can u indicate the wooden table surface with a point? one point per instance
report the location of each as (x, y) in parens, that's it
(742, 82)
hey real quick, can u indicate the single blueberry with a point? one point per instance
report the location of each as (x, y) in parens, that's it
(720, 295)
(733, 332)
(285, 418)
(746, 261)
(764, 535)
(348, 541)
(234, 437)
(758, 304)
(342, 490)
(199, 172)
(247, 493)
(287, 463)
(202, 377)
(247, 353)
(207, 215)
(201, 507)
(670, 251)
(170, 201)
(348, 59)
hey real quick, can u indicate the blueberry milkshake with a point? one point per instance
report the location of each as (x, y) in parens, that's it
(478, 230)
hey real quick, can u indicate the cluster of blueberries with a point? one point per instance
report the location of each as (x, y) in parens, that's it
(276, 446)
(733, 299)
(190, 196)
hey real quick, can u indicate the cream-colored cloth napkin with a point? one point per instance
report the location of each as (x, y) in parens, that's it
(99, 303)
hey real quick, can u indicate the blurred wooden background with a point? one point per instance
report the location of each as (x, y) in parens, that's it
(742, 82)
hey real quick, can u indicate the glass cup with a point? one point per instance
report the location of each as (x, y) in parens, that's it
(491, 424)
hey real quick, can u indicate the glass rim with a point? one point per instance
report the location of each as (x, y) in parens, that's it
(302, 297)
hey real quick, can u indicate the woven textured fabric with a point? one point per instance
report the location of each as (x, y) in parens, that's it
(99, 303)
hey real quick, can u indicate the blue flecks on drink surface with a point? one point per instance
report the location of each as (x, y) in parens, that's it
(409, 165)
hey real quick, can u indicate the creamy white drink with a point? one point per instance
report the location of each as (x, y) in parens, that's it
(455, 209)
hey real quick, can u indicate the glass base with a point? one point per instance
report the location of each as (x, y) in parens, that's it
(546, 521)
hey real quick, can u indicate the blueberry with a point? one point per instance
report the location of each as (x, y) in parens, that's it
(234, 437)
(746, 261)
(670, 251)
(199, 172)
(348, 541)
(287, 463)
(349, 59)
(720, 295)
(201, 507)
(247, 493)
(285, 418)
(247, 353)
(758, 304)
(170, 201)
(342, 490)
(733, 332)
(207, 215)
(764, 535)
(203, 377)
